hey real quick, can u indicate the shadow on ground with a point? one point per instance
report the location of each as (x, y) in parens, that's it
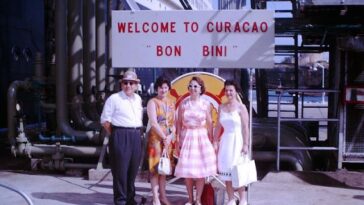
(76, 198)
(339, 179)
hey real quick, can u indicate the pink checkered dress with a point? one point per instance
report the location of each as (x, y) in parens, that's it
(197, 157)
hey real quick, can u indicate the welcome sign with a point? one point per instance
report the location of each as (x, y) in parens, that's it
(197, 39)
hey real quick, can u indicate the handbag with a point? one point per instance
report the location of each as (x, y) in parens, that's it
(208, 195)
(164, 165)
(244, 172)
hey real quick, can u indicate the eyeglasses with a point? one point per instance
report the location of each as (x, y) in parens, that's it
(193, 86)
(128, 82)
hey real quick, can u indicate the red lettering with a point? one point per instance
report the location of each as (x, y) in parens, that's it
(216, 51)
(159, 50)
(121, 27)
(205, 51)
(237, 27)
(186, 25)
(264, 26)
(218, 27)
(169, 50)
(208, 27)
(227, 26)
(137, 28)
(130, 27)
(173, 27)
(255, 27)
(194, 27)
(164, 27)
(154, 27)
(246, 24)
(145, 27)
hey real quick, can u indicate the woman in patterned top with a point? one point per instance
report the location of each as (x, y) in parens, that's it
(161, 112)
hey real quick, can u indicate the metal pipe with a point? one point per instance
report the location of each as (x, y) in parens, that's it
(39, 77)
(89, 60)
(47, 106)
(62, 165)
(79, 166)
(310, 90)
(54, 138)
(38, 150)
(278, 130)
(101, 68)
(75, 52)
(21, 193)
(264, 156)
(79, 116)
(75, 35)
(110, 84)
(61, 75)
(38, 67)
(12, 96)
(250, 122)
(100, 46)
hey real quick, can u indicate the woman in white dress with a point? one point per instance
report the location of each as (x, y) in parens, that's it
(233, 120)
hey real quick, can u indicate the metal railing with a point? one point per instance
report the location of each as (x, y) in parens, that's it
(281, 119)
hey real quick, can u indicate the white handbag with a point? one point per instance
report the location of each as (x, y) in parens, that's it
(164, 165)
(244, 172)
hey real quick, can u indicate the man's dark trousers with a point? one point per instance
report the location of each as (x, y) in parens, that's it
(125, 155)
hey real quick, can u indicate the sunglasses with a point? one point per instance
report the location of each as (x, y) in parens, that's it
(128, 82)
(193, 86)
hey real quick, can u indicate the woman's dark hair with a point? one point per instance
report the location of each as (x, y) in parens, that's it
(200, 82)
(232, 83)
(160, 81)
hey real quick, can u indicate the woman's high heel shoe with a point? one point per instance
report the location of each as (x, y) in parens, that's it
(244, 202)
(232, 202)
(164, 202)
(156, 202)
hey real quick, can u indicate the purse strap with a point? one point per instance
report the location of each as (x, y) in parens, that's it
(164, 153)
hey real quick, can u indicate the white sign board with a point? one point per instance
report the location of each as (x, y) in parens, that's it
(193, 39)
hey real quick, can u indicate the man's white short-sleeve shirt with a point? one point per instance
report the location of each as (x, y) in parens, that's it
(123, 111)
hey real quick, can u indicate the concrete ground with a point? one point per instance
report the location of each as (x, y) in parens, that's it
(291, 188)
(274, 188)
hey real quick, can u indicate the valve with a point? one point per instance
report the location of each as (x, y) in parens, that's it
(23, 145)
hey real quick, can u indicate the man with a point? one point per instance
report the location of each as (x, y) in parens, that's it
(122, 119)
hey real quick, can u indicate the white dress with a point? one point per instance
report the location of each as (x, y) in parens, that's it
(231, 143)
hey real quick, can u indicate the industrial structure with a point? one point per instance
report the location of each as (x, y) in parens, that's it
(56, 72)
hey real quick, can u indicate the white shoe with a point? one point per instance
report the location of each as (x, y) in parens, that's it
(156, 202)
(243, 202)
(231, 202)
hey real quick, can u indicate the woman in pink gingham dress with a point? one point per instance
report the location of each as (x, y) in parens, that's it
(197, 158)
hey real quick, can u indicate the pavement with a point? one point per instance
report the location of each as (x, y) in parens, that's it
(275, 188)
(342, 187)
